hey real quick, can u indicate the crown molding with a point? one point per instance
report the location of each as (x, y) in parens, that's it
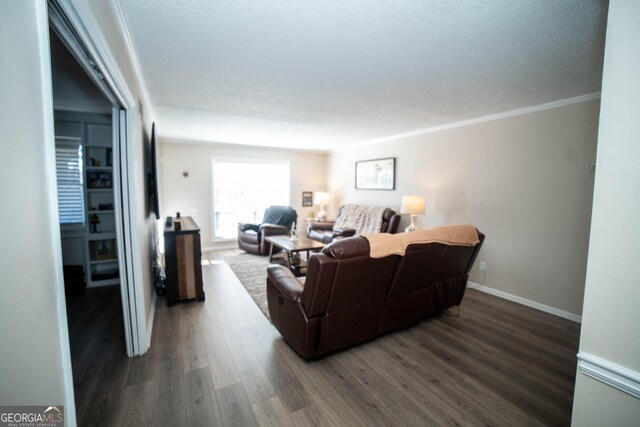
(123, 25)
(488, 118)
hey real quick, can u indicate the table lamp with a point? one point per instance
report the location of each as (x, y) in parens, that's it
(321, 198)
(414, 206)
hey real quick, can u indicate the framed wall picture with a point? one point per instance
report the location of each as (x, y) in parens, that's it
(377, 174)
(307, 198)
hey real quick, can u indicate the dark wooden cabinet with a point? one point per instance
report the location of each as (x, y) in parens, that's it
(182, 258)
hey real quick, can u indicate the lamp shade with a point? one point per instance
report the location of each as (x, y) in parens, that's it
(321, 198)
(412, 204)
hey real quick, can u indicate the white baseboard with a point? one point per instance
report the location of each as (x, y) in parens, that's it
(527, 302)
(150, 321)
(607, 372)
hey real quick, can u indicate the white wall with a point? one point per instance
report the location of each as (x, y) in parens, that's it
(72, 88)
(192, 196)
(35, 350)
(611, 320)
(521, 180)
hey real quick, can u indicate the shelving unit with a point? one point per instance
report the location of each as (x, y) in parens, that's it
(102, 257)
(94, 132)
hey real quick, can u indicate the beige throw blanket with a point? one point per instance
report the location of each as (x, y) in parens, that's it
(384, 244)
(364, 219)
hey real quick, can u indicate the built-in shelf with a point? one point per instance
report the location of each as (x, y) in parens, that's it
(94, 133)
(101, 236)
(103, 261)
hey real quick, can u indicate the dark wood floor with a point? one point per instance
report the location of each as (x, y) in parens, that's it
(222, 363)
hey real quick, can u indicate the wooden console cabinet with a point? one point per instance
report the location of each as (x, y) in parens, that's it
(182, 258)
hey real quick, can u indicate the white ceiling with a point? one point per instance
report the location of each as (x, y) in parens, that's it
(325, 74)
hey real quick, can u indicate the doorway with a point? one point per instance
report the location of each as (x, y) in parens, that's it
(88, 115)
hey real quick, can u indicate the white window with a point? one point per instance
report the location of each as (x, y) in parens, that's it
(70, 190)
(243, 189)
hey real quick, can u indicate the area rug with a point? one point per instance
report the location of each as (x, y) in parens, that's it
(251, 270)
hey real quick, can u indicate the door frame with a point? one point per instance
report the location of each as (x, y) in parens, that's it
(76, 26)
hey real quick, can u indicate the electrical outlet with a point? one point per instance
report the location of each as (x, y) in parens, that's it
(483, 266)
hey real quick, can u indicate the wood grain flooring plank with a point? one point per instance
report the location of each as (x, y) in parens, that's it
(170, 406)
(486, 372)
(311, 416)
(493, 408)
(201, 403)
(284, 381)
(254, 379)
(221, 366)
(271, 413)
(357, 397)
(380, 390)
(235, 409)
(103, 405)
(401, 372)
(136, 408)
(190, 337)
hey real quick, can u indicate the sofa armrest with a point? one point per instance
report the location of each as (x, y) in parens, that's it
(285, 282)
(273, 230)
(344, 232)
(246, 226)
(324, 225)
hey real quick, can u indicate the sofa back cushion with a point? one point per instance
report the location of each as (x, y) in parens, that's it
(390, 220)
(429, 276)
(352, 300)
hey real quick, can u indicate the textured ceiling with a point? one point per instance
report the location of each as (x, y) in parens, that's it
(330, 73)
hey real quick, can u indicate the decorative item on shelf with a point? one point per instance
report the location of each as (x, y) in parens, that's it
(104, 250)
(109, 156)
(105, 207)
(414, 206)
(99, 180)
(94, 220)
(322, 198)
(95, 162)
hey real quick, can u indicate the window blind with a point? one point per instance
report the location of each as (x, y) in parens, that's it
(70, 183)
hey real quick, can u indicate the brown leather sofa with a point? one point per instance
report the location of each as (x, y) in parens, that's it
(326, 232)
(277, 221)
(349, 297)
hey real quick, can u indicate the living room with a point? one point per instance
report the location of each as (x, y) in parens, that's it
(525, 177)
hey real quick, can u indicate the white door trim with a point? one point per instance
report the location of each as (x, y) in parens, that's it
(48, 146)
(119, 123)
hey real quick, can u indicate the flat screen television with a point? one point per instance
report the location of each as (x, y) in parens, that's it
(152, 176)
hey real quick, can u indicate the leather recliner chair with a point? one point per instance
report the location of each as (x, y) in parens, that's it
(326, 232)
(349, 297)
(277, 220)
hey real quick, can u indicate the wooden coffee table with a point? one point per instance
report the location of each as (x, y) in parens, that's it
(292, 247)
